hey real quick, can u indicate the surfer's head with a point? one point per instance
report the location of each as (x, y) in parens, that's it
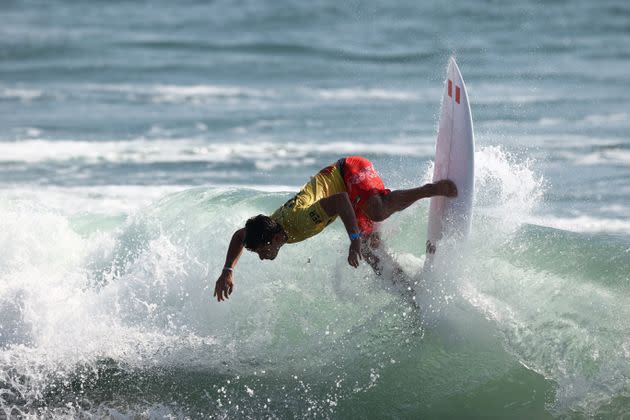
(264, 236)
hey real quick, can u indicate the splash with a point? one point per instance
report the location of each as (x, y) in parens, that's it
(95, 314)
(135, 301)
(542, 288)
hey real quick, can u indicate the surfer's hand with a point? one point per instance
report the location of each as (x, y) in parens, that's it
(354, 253)
(445, 187)
(224, 286)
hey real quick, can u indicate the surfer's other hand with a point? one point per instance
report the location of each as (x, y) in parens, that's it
(445, 187)
(354, 253)
(224, 286)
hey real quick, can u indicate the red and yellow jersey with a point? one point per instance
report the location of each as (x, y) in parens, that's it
(303, 216)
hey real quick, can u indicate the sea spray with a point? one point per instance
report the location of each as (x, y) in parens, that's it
(121, 318)
(137, 301)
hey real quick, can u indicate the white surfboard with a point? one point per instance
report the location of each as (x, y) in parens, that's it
(454, 160)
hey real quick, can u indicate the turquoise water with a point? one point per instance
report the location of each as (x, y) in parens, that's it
(136, 137)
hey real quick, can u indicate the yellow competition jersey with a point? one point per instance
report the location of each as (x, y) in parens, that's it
(303, 216)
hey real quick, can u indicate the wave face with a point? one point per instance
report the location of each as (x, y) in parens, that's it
(115, 316)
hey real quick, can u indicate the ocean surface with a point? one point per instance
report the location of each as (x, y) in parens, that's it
(136, 137)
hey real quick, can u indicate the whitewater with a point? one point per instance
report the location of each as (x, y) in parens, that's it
(114, 315)
(135, 138)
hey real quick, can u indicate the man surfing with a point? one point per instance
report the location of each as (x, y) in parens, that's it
(349, 188)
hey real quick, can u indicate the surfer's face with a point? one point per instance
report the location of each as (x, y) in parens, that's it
(269, 251)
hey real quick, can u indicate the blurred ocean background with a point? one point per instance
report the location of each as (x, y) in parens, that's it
(135, 137)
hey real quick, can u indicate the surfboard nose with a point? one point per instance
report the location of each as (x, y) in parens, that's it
(454, 160)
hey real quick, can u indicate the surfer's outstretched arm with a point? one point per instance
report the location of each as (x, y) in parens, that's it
(225, 284)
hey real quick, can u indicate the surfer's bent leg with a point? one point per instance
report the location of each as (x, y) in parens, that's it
(369, 245)
(380, 207)
(382, 263)
(373, 253)
(372, 202)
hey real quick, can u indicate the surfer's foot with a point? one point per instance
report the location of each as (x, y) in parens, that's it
(445, 187)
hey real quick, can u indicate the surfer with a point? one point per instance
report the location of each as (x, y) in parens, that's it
(351, 189)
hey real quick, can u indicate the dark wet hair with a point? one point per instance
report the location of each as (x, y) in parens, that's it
(259, 230)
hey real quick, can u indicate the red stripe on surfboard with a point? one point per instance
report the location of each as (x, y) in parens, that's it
(457, 94)
(450, 88)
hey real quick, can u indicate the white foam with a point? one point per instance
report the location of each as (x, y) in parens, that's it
(181, 93)
(584, 223)
(39, 150)
(192, 93)
(187, 150)
(505, 187)
(568, 141)
(547, 121)
(490, 94)
(112, 200)
(606, 119)
(360, 93)
(510, 191)
(593, 120)
(197, 93)
(22, 94)
(141, 296)
(101, 199)
(45, 269)
(209, 93)
(604, 157)
(578, 149)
